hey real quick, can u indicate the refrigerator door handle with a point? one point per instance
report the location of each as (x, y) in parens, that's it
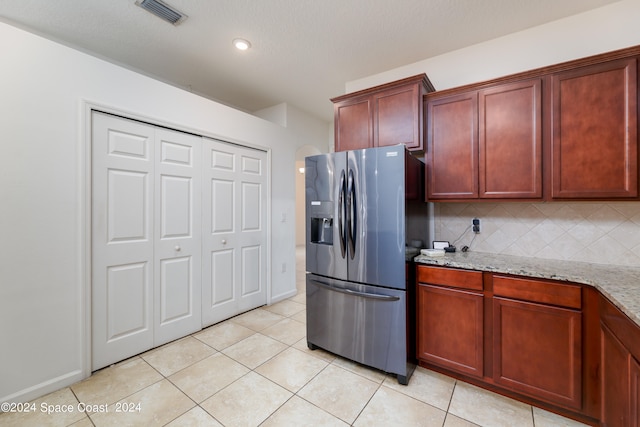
(351, 219)
(356, 293)
(342, 213)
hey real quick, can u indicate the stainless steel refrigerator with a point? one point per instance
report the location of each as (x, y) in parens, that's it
(361, 208)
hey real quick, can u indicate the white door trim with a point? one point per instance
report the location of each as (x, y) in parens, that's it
(86, 108)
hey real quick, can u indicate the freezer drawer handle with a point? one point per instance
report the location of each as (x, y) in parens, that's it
(355, 293)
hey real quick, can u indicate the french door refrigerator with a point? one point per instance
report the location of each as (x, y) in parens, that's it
(358, 205)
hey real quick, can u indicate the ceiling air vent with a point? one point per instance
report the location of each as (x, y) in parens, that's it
(162, 10)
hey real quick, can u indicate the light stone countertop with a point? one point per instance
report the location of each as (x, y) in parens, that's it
(620, 284)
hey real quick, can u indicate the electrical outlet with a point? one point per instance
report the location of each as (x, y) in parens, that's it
(476, 225)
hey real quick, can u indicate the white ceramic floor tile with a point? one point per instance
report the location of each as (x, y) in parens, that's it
(301, 317)
(428, 386)
(156, 405)
(195, 417)
(177, 355)
(357, 368)
(390, 408)
(114, 383)
(223, 334)
(544, 418)
(247, 402)
(291, 369)
(453, 421)
(85, 422)
(205, 378)
(339, 392)
(254, 350)
(488, 409)
(287, 331)
(257, 319)
(298, 412)
(43, 412)
(300, 297)
(319, 353)
(286, 308)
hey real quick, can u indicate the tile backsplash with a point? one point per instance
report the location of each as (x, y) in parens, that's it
(603, 233)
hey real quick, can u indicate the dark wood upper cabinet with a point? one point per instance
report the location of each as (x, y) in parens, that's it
(397, 115)
(353, 129)
(384, 115)
(486, 143)
(452, 147)
(594, 143)
(564, 132)
(510, 140)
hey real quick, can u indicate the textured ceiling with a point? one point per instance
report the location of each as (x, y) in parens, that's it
(303, 50)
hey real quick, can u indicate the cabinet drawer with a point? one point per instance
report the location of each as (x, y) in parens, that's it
(450, 277)
(538, 291)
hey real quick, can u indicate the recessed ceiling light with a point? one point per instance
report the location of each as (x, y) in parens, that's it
(241, 44)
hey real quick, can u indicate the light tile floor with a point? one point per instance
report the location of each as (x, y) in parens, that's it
(256, 370)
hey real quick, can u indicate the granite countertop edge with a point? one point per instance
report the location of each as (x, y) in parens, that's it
(619, 284)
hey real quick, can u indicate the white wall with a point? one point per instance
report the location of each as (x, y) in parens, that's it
(313, 136)
(43, 252)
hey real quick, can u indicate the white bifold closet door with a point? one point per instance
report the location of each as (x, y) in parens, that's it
(234, 199)
(146, 237)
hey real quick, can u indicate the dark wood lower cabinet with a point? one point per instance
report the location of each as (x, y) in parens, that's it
(450, 331)
(537, 350)
(531, 339)
(557, 345)
(620, 386)
(615, 381)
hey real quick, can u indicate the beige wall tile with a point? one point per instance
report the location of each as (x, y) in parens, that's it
(605, 233)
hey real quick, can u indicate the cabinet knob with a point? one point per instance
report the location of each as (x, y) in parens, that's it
(224, 242)
(178, 248)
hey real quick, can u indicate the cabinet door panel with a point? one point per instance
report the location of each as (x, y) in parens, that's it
(594, 138)
(615, 381)
(450, 328)
(452, 146)
(510, 138)
(353, 124)
(634, 377)
(538, 351)
(397, 118)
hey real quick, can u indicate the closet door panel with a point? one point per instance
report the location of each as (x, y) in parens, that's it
(122, 238)
(234, 216)
(177, 296)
